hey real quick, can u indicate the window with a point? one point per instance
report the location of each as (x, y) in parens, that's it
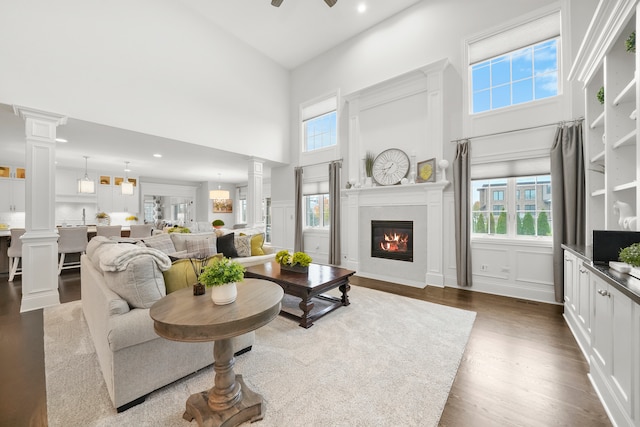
(509, 219)
(316, 210)
(498, 195)
(517, 77)
(319, 124)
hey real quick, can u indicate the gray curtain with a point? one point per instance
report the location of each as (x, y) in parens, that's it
(462, 203)
(568, 192)
(298, 243)
(334, 212)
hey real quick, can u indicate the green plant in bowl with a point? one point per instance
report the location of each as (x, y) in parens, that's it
(217, 223)
(600, 95)
(630, 255)
(222, 271)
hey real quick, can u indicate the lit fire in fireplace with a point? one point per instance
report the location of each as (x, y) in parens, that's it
(394, 242)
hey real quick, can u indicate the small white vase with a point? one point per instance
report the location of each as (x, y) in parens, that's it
(224, 294)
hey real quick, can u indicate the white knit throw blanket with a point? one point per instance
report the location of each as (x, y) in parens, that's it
(116, 257)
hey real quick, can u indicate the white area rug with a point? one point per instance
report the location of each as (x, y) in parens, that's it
(385, 360)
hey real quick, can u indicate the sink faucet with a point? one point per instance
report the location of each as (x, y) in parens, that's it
(84, 222)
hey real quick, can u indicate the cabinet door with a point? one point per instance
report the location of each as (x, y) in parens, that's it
(569, 280)
(621, 364)
(5, 195)
(584, 293)
(18, 198)
(601, 328)
(105, 198)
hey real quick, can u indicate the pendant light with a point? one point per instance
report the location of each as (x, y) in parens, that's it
(219, 193)
(126, 187)
(86, 185)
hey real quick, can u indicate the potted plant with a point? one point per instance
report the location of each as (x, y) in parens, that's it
(221, 276)
(600, 95)
(630, 42)
(631, 256)
(297, 262)
(217, 223)
(368, 168)
(103, 218)
(131, 219)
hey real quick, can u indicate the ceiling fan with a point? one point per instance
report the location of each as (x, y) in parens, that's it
(329, 3)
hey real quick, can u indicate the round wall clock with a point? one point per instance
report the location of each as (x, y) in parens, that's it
(390, 166)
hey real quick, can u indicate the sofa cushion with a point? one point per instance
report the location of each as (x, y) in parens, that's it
(140, 284)
(243, 245)
(203, 247)
(226, 245)
(180, 239)
(257, 241)
(161, 242)
(182, 273)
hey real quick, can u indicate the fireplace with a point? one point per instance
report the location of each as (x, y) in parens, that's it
(392, 240)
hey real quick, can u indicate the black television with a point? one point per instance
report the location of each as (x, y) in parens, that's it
(607, 244)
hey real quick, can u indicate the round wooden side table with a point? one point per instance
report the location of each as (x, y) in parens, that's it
(181, 316)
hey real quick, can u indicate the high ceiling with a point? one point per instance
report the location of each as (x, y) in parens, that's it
(290, 35)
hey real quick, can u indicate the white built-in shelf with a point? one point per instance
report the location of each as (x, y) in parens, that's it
(625, 186)
(628, 139)
(598, 158)
(628, 94)
(598, 122)
(599, 192)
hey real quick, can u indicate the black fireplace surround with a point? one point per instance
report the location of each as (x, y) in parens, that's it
(392, 240)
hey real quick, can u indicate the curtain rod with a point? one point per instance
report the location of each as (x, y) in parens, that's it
(561, 123)
(321, 163)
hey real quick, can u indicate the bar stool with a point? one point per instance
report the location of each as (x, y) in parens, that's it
(140, 230)
(72, 240)
(108, 230)
(15, 252)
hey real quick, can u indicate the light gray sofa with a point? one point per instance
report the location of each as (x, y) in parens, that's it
(134, 360)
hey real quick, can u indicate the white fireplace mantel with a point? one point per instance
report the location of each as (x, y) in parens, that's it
(420, 203)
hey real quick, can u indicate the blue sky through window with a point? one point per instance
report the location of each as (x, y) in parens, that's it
(521, 76)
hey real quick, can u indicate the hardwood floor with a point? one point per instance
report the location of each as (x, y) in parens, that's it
(521, 367)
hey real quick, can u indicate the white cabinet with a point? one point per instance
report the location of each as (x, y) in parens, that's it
(12, 195)
(610, 129)
(111, 199)
(614, 351)
(577, 302)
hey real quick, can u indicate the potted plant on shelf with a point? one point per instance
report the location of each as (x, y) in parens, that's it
(221, 276)
(298, 262)
(631, 256)
(369, 157)
(217, 223)
(103, 218)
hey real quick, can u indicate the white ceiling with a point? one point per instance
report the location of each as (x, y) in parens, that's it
(298, 30)
(290, 35)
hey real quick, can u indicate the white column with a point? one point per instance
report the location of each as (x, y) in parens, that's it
(40, 241)
(255, 219)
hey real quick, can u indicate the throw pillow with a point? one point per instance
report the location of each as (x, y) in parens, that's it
(182, 273)
(243, 245)
(140, 285)
(202, 247)
(161, 241)
(226, 246)
(257, 241)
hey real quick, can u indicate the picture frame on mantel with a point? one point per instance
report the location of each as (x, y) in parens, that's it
(426, 171)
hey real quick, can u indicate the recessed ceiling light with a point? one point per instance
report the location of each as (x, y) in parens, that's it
(62, 140)
(157, 155)
(362, 8)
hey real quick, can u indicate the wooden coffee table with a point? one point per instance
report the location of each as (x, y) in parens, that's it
(181, 316)
(310, 288)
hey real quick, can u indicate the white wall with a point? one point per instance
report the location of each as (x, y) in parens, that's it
(428, 32)
(151, 66)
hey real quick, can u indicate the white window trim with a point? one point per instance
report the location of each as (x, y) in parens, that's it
(496, 31)
(325, 154)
